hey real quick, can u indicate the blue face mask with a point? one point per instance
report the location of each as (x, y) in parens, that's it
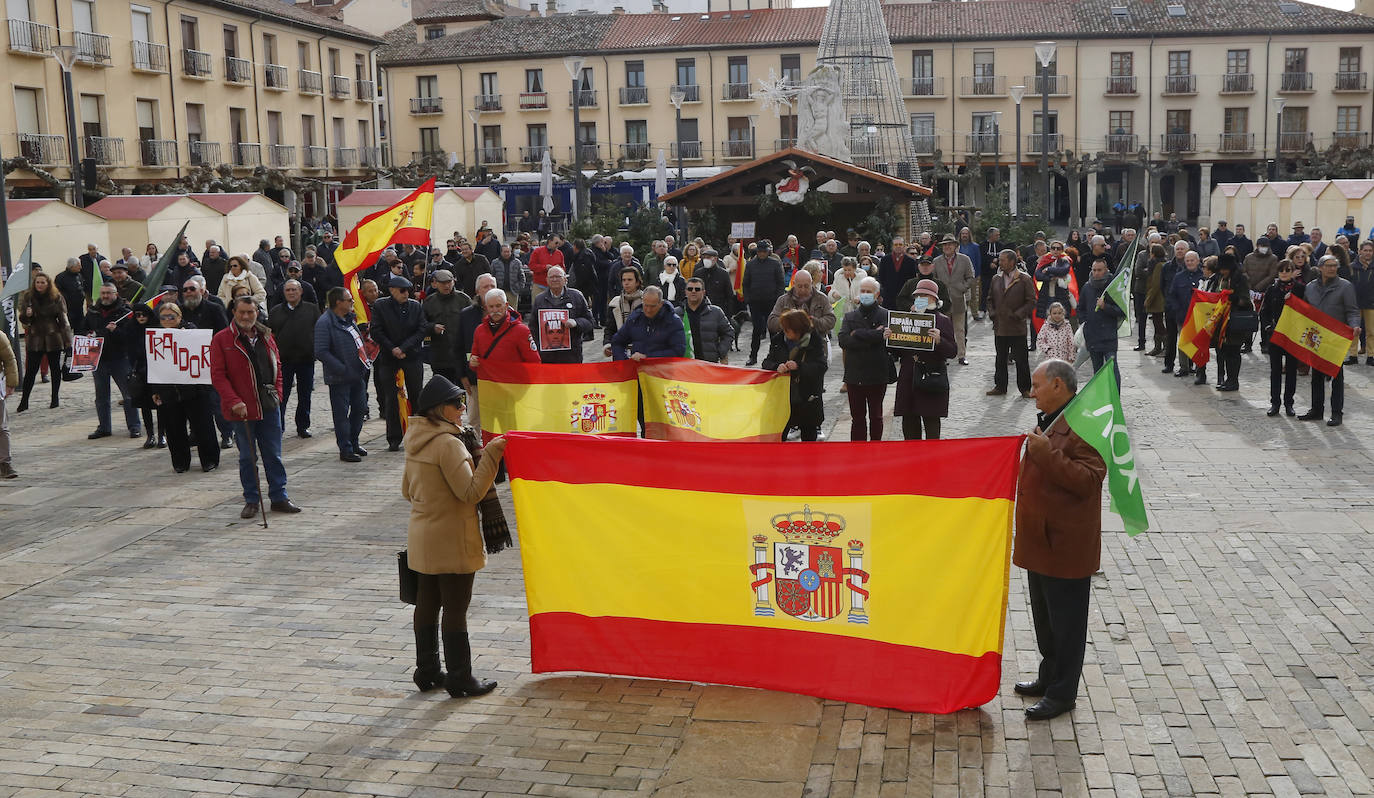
(867, 299)
(922, 302)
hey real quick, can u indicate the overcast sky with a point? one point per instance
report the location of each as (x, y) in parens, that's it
(1344, 5)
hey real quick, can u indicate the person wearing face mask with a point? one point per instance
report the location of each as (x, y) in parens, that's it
(719, 289)
(1283, 367)
(1261, 266)
(923, 380)
(863, 337)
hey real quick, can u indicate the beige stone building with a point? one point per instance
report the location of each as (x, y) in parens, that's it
(163, 86)
(1138, 81)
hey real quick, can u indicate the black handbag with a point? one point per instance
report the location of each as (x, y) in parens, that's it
(929, 379)
(1242, 322)
(409, 580)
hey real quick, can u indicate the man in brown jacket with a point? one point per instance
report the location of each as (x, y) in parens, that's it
(10, 366)
(803, 296)
(1011, 301)
(1058, 539)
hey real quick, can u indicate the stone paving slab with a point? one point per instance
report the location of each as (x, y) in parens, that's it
(152, 644)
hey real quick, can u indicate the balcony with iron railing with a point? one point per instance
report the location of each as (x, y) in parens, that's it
(237, 70)
(1120, 145)
(691, 92)
(590, 152)
(491, 156)
(1058, 85)
(309, 82)
(732, 92)
(737, 148)
(534, 153)
(1121, 85)
(92, 49)
(634, 95)
(1350, 138)
(420, 106)
(340, 86)
(534, 101)
(1295, 141)
(1351, 81)
(367, 90)
(196, 64)
(928, 86)
(925, 143)
(203, 153)
(1178, 142)
(281, 155)
(1295, 82)
(274, 77)
(345, 157)
(42, 149)
(983, 86)
(428, 155)
(585, 98)
(157, 152)
(316, 157)
(635, 151)
(370, 157)
(1236, 142)
(487, 102)
(30, 38)
(783, 143)
(1034, 142)
(1180, 84)
(104, 150)
(691, 150)
(247, 153)
(983, 143)
(148, 57)
(1238, 83)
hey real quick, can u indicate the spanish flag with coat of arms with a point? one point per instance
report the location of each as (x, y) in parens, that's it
(750, 565)
(1314, 337)
(1206, 312)
(407, 222)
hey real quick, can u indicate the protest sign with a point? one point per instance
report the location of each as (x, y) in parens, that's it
(178, 357)
(553, 332)
(85, 354)
(910, 330)
(741, 230)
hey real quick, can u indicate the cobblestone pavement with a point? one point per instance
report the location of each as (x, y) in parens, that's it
(151, 644)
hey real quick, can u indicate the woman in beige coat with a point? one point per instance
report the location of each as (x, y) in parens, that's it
(239, 274)
(445, 535)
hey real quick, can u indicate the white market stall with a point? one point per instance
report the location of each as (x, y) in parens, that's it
(59, 231)
(136, 220)
(248, 218)
(460, 209)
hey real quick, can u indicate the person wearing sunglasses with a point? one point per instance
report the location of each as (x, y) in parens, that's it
(712, 332)
(180, 406)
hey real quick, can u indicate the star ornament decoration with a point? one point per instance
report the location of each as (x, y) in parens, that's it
(775, 93)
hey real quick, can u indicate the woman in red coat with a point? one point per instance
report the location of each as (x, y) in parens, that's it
(502, 336)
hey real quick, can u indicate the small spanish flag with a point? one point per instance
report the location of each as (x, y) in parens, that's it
(1312, 336)
(406, 222)
(693, 400)
(402, 400)
(1206, 312)
(764, 571)
(582, 398)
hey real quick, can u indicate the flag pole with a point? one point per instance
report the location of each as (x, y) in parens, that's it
(257, 474)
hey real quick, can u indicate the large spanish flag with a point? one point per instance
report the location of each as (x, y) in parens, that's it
(1312, 336)
(585, 398)
(406, 222)
(750, 565)
(693, 400)
(1206, 312)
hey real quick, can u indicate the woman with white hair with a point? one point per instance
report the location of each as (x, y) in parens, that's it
(672, 283)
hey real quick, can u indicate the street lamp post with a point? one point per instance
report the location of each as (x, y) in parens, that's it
(677, 97)
(574, 67)
(66, 56)
(997, 148)
(477, 163)
(1044, 53)
(1017, 92)
(1278, 102)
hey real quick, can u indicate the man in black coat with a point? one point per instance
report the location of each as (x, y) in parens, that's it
(73, 290)
(603, 259)
(319, 274)
(763, 283)
(293, 325)
(487, 244)
(894, 270)
(442, 307)
(467, 267)
(213, 268)
(577, 321)
(399, 328)
(111, 320)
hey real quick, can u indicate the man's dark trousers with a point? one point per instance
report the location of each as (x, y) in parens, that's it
(414, 370)
(1059, 610)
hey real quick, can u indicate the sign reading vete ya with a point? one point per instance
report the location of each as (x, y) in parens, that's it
(178, 357)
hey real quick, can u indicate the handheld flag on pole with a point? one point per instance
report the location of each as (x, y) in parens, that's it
(1095, 416)
(1206, 312)
(158, 275)
(402, 401)
(1311, 336)
(1119, 289)
(20, 274)
(97, 281)
(406, 222)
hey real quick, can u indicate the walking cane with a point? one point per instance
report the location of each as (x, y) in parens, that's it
(257, 475)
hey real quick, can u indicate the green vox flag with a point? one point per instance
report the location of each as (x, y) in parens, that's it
(1119, 289)
(1095, 415)
(97, 280)
(19, 277)
(153, 282)
(687, 328)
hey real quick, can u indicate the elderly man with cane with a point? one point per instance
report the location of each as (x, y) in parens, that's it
(245, 370)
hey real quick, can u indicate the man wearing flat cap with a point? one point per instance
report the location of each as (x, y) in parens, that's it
(398, 327)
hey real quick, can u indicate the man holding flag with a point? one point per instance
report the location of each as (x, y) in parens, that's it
(1322, 335)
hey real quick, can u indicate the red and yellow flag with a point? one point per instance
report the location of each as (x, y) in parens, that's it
(772, 575)
(402, 400)
(407, 222)
(583, 398)
(1206, 312)
(693, 400)
(1312, 336)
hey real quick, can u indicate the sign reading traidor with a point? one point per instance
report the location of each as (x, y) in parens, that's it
(178, 357)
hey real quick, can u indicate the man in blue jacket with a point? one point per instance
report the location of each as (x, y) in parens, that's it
(1176, 302)
(1100, 317)
(339, 347)
(653, 330)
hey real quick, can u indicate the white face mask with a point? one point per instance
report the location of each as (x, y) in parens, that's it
(708, 262)
(922, 302)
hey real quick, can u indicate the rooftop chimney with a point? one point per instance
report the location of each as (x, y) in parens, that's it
(551, 8)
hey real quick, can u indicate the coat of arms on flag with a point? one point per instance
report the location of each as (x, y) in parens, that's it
(593, 412)
(681, 410)
(813, 578)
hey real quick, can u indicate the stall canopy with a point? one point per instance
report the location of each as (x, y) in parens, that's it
(248, 218)
(135, 220)
(1315, 203)
(455, 209)
(59, 231)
